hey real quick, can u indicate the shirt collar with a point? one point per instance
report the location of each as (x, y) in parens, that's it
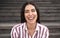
(25, 27)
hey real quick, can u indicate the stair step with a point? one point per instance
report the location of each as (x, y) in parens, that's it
(8, 2)
(48, 5)
(5, 36)
(2, 35)
(9, 18)
(52, 24)
(52, 34)
(10, 8)
(50, 11)
(49, 8)
(7, 25)
(5, 31)
(54, 30)
(48, 18)
(2, 15)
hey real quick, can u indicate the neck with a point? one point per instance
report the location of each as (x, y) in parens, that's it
(31, 26)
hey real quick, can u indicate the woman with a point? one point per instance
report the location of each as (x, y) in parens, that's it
(30, 26)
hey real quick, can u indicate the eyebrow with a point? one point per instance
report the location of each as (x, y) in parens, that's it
(31, 9)
(26, 10)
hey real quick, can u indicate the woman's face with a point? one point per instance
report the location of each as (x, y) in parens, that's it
(30, 14)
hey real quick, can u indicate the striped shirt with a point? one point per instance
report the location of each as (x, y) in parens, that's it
(20, 31)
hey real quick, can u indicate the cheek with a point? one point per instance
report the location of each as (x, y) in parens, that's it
(25, 15)
(35, 14)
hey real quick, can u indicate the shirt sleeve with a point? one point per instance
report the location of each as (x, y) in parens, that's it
(14, 33)
(46, 35)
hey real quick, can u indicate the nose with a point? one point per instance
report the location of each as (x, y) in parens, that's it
(30, 13)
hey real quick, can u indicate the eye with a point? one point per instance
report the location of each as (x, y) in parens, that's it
(33, 10)
(26, 11)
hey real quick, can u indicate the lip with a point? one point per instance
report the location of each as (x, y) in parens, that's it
(31, 18)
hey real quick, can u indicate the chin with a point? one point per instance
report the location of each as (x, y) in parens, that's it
(31, 22)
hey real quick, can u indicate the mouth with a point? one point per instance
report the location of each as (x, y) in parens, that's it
(31, 18)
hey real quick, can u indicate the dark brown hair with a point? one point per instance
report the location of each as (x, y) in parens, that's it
(23, 9)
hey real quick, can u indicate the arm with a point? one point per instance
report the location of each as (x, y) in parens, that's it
(14, 33)
(46, 34)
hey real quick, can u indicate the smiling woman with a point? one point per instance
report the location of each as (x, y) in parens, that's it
(30, 14)
(30, 26)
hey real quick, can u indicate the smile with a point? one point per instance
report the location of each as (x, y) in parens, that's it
(31, 18)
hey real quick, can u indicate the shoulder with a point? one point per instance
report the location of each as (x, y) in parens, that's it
(17, 26)
(42, 26)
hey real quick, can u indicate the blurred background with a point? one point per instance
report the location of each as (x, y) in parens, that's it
(10, 15)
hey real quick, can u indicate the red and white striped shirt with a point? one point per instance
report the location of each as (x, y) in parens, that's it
(20, 31)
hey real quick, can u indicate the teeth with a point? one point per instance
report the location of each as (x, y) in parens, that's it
(30, 18)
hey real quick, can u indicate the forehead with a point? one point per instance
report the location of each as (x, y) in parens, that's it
(29, 6)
